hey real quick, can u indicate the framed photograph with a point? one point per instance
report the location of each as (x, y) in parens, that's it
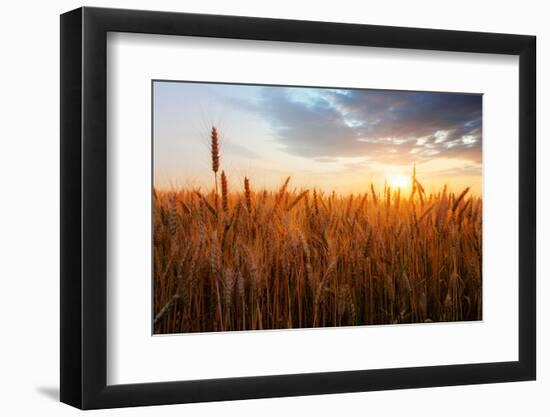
(258, 208)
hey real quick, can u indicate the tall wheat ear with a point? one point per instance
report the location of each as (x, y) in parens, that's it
(225, 192)
(247, 194)
(215, 153)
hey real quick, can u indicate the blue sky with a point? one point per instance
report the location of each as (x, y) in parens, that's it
(334, 139)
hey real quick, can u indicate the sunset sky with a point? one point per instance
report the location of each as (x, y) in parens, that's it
(332, 139)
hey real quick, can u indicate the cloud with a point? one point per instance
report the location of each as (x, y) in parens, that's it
(328, 123)
(238, 150)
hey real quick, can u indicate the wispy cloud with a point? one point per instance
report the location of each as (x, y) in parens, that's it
(388, 125)
(239, 150)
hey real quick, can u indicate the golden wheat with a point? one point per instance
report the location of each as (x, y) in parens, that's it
(276, 259)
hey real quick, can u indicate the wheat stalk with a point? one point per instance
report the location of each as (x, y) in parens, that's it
(297, 200)
(225, 193)
(215, 154)
(247, 195)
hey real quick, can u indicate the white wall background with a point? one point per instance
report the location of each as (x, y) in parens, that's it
(29, 225)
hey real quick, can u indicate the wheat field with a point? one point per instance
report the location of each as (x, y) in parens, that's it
(250, 259)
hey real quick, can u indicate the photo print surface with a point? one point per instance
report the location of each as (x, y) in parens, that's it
(281, 207)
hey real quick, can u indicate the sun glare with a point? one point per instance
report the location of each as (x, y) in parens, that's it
(399, 181)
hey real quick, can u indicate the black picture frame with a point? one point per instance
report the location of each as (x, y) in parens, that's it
(84, 207)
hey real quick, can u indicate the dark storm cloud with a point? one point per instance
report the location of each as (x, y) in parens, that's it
(391, 126)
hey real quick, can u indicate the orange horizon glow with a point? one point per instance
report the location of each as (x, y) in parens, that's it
(395, 183)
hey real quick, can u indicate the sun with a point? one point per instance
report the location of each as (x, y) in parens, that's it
(399, 181)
